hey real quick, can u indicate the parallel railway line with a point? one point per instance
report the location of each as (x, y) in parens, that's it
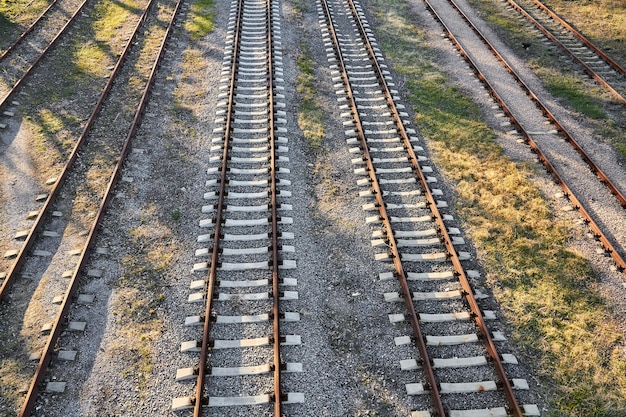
(412, 231)
(62, 231)
(247, 190)
(560, 128)
(29, 237)
(26, 52)
(28, 30)
(594, 62)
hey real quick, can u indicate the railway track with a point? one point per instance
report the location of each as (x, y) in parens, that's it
(594, 62)
(540, 140)
(240, 359)
(412, 233)
(29, 12)
(21, 58)
(14, 43)
(44, 280)
(246, 277)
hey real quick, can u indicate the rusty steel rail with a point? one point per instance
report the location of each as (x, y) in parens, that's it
(277, 395)
(597, 231)
(544, 109)
(590, 71)
(610, 61)
(27, 31)
(44, 361)
(56, 187)
(459, 271)
(30, 69)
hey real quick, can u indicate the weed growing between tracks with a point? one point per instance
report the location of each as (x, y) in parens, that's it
(201, 19)
(546, 291)
(311, 115)
(311, 122)
(12, 379)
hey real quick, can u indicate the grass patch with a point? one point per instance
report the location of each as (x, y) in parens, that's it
(50, 123)
(6, 28)
(138, 328)
(53, 137)
(88, 59)
(546, 291)
(310, 115)
(299, 8)
(111, 15)
(569, 88)
(193, 66)
(201, 19)
(12, 378)
(15, 16)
